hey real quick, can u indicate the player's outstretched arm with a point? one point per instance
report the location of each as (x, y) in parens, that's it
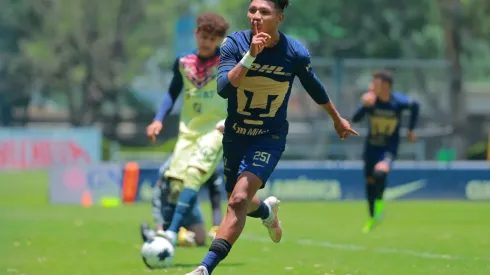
(174, 90)
(414, 107)
(176, 86)
(231, 73)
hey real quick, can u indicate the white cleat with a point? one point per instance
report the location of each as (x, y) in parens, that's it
(201, 270)
(169, 235)
(272, 223)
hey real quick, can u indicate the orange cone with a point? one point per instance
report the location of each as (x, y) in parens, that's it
(86, 199)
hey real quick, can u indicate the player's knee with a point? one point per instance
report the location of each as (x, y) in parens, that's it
(200, 234)
(382, 166)
(238, 200)
(174, 190)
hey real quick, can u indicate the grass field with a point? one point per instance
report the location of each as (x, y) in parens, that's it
(320, 238)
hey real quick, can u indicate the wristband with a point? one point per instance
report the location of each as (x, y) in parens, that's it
(247, 60)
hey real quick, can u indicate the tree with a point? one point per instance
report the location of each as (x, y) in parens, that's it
(453, 21)
(16, 75)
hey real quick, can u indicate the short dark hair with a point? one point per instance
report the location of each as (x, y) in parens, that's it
(384, 75)
(280, 4)
(213, 24)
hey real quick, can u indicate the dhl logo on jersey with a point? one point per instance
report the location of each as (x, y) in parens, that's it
(277, 70)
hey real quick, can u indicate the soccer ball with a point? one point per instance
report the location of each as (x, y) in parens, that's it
(157, 253)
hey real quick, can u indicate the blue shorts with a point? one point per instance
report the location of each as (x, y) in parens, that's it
(374, 155)
(258, 155)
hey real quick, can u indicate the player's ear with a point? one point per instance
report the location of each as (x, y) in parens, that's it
(280, 18)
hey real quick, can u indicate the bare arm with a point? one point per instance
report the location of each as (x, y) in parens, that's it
(237, 74)
(332, 111)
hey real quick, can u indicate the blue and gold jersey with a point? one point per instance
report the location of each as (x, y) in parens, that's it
(384, 120)
(258, 106)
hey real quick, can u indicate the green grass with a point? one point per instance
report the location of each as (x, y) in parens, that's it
(320, 238)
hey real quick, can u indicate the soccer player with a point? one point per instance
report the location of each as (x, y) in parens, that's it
(192, 231)
(256, 72)
(199, 146)
(384, 107)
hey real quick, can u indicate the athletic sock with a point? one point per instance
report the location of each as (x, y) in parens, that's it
(218, 251)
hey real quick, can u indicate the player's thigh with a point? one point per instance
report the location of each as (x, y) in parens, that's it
(372, 156)
(369, 170)
(244, 190)
(203, 162)
(208, 152)
(183, 151)
(233, 154)
(385, 163)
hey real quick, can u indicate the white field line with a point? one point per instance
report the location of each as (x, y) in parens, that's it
(349, 247)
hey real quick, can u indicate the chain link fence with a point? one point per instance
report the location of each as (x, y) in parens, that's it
(312, 136)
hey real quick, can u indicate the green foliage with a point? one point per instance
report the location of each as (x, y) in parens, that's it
(477, 151)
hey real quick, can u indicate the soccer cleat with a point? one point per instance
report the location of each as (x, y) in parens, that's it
(201, 270)
(370, 224)
(272, 222)
(169, 235)
(146, 233)
(186, 238)
(212, 232)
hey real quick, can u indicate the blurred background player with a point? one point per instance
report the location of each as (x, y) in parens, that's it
(163, 207)
(256, 72)
(199, 146)
(384, 107)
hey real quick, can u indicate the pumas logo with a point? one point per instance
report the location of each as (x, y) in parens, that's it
(277, 70)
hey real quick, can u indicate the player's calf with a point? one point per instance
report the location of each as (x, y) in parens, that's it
(380, 174)
(234, 220)
(371, 192)
(186, 201)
